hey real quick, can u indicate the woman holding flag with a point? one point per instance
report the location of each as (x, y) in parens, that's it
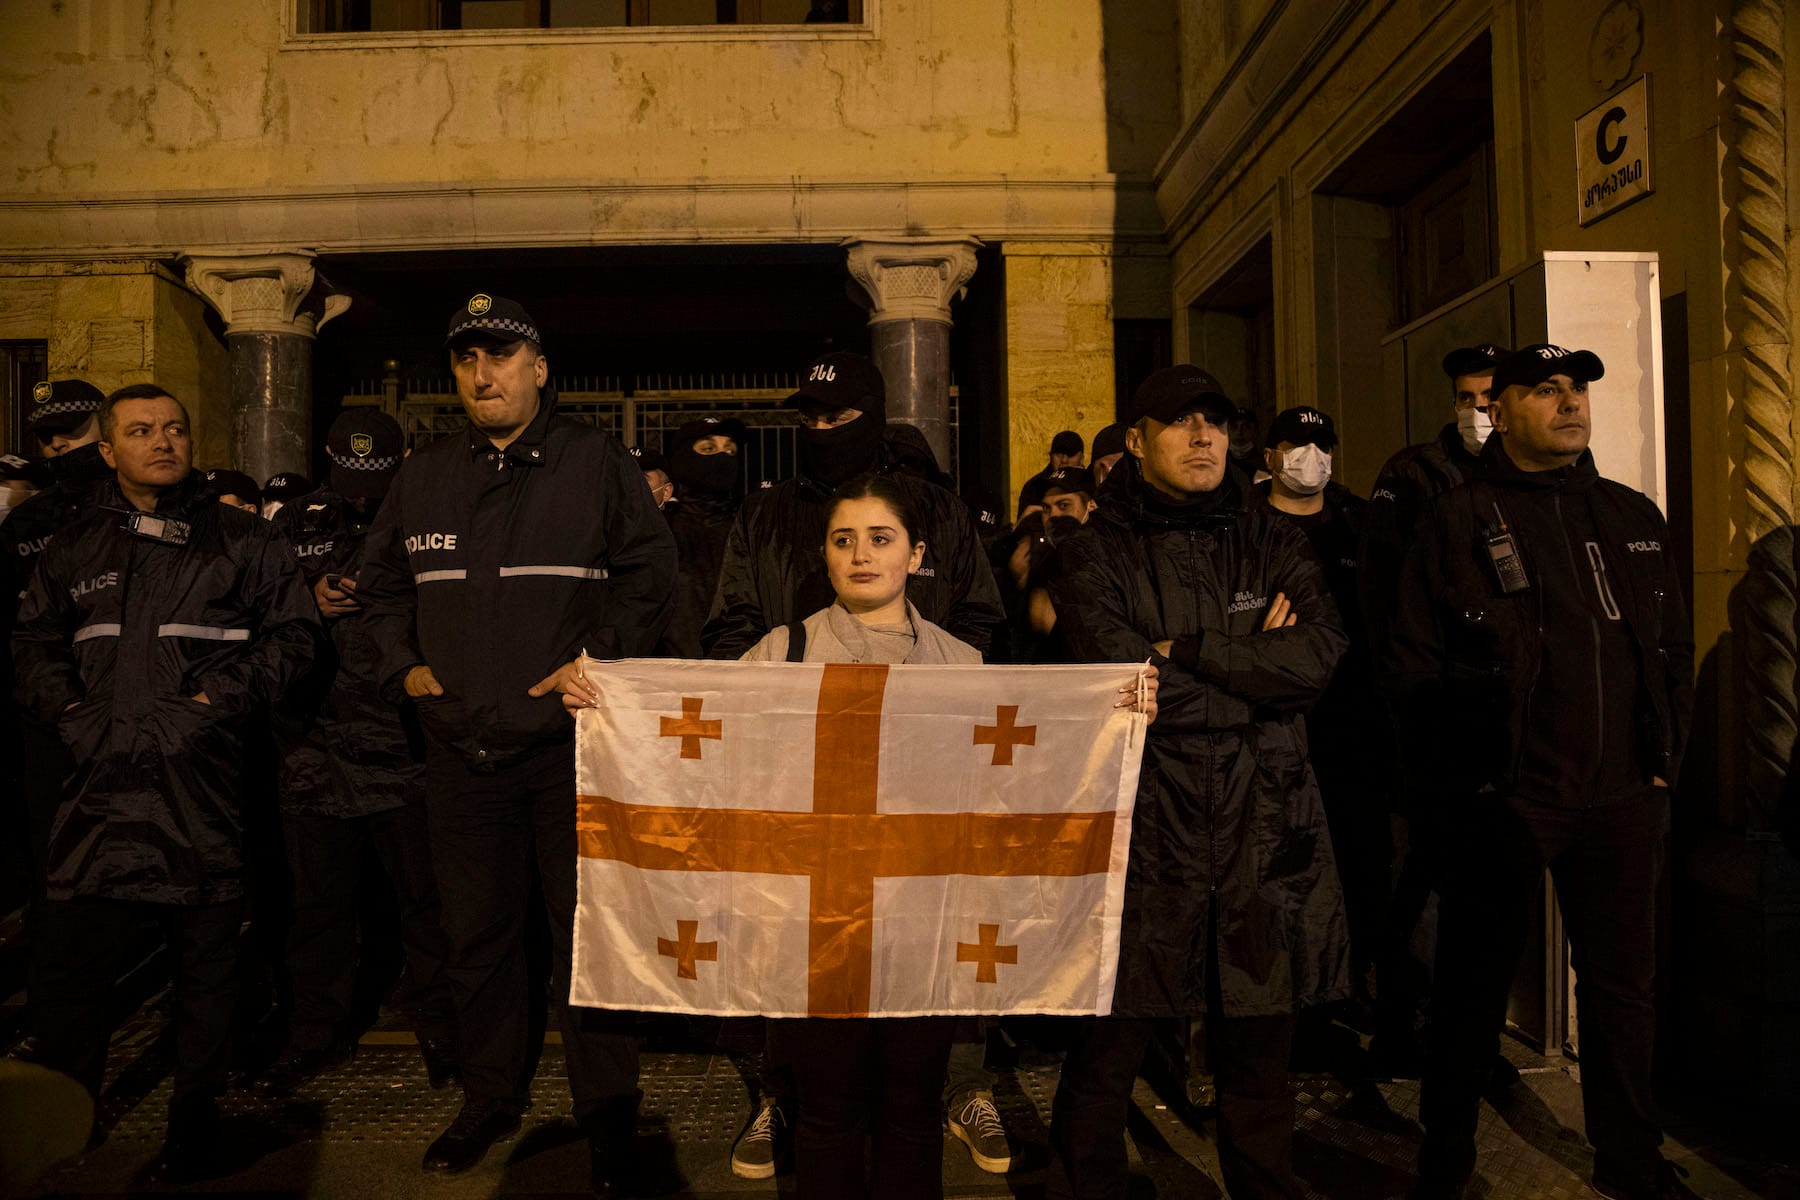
(868, 1078)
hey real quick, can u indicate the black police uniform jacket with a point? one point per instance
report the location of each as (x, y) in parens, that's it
(1408, 481)
(1347, 729)
(28, 528)
(496, 567)
(774, 571)
(1230, 852)
(1464, 654)
(128, 631)
(345, 749)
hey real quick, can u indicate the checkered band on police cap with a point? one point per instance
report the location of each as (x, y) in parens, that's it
(63, 404)
(363, 438)
(493, 315)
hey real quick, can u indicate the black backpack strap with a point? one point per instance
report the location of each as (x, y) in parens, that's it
(796, 641)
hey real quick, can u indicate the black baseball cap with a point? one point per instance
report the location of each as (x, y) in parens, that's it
(1529, 366)
(285, 485)
(701, 427)
(1302, 426)
(1066, 442)
(233, 483)
(1473, 360)
(1069, 479)
(841, 379)
(1168, 393)
(365, 447)
(649, 460)
(62, 405)
(495, 316)
(1110, 440)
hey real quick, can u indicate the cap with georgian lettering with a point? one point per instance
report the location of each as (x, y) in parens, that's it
(1531, 365)
(1302, 425)
(495, 316)
(841, 379)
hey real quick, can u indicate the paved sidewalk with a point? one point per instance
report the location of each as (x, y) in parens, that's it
(359, 1132)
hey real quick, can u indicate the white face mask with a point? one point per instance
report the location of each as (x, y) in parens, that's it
(1474, 426)
(1305, 470)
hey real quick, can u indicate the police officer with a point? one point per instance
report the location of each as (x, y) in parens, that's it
(1346, 730)
(352, 780)
(708, 473)
(1109, 448)
(1407, 484)
(64, 421)
(500, 555)
(1539, 606)
(1232, 907)
(157, 627)
(1416, 473)
(1066, 450)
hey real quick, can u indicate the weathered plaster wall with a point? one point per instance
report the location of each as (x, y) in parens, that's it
(133, 96)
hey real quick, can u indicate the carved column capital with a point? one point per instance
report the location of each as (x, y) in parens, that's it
(265, 293)
(910, 279)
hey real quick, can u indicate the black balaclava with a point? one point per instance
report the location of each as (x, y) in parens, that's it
(716, 477)
(841, 453)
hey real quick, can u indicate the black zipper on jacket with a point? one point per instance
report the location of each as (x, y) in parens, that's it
(1594, 633)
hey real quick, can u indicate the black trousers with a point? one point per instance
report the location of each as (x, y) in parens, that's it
(80, 954)
(489, 828)
(1249, 1060)
(1605, 863)
(878, 1080)
(323, 853)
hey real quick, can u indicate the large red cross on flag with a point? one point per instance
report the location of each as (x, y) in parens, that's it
(856, 840)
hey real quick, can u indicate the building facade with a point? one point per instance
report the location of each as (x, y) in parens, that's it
(270, 207)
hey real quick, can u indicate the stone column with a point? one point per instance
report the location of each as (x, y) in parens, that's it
(273, 306)
(907, 284)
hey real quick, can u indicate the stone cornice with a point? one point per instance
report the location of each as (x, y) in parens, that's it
(501, 215)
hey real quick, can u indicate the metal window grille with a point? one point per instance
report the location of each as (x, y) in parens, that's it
(642, 409)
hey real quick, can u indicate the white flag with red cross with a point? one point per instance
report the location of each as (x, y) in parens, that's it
(796, 839)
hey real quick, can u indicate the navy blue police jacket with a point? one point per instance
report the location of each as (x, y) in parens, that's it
(346, 750)
(495, 567)
(115, 638)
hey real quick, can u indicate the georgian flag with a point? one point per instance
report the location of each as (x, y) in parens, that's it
(794, 839)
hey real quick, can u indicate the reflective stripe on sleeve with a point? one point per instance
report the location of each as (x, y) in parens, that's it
(556, 569)
(97, 629)
(439, 576)
(214, 633)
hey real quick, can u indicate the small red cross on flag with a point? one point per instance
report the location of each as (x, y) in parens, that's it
(844, 834)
